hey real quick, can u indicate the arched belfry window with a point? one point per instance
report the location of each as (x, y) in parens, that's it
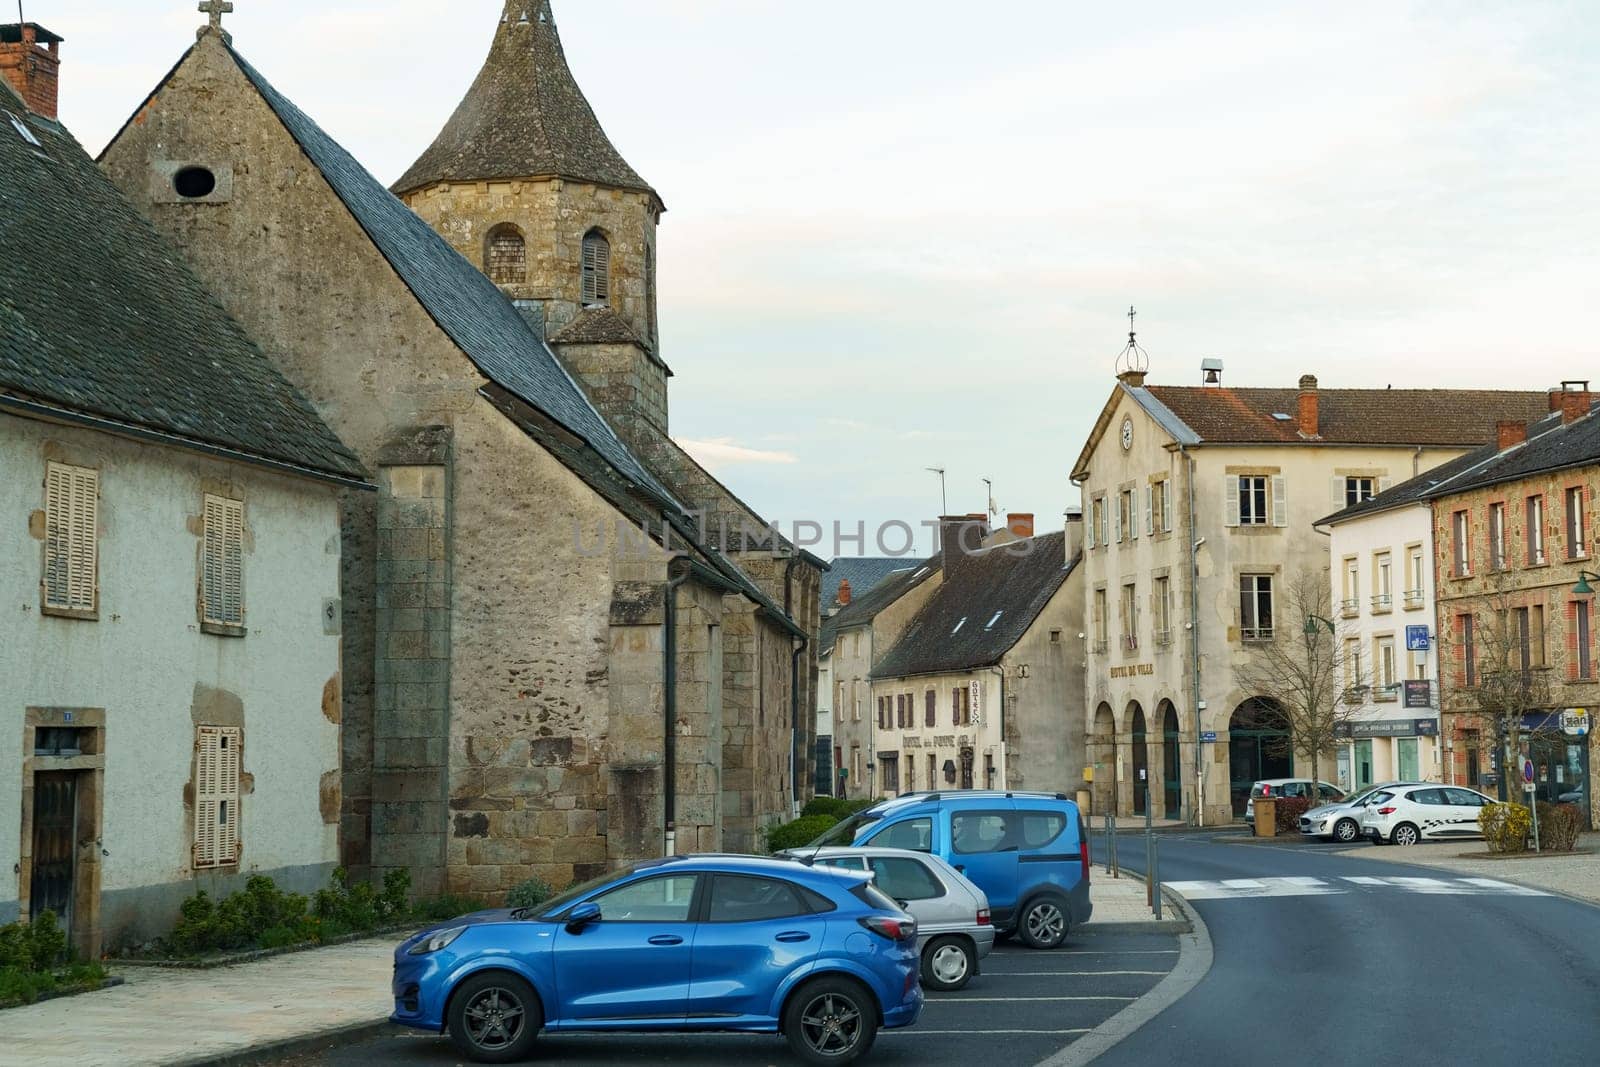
(596, 268)
(506, 256)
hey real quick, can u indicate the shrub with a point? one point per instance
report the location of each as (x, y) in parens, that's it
(440, 908)
(263, 916)
(1505, 826)
(1287, 812)
(529, 894)
(838, 807)
(799, 832)
(33, 947)
(1559, 826)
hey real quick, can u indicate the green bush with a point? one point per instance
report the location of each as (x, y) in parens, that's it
(1287, 812)
(838, 807)
(1559, 826)
(448, 906)
(263, 916)
(35, 946)
(1505, 826)
(799, 832)
(529, 894)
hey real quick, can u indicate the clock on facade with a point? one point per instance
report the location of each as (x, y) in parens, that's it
(1127, 434)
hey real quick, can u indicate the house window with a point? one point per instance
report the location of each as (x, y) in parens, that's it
(1469, 654)
(1358, 489)
(1385, 683)
(856, 709)
(1530, 635)
(911, 774)
(1382, 582)
(1099, 524)
(933, 771)
(1414, 588)
(855, 763)
(1124, 514)
(1581, 633)
(222, 563)
(1099, 620)
(1461, 548)
(650, 292)
(1130, 619)
(1252, 500)
(1160, 507)
(1161, 608)
(891, 774)
(1350, 606)
(900, 711)
(1497, 536)
(216, 796)
(1255, 607)
(930, 714)
(71, 542)
(883, 713)
(1576, 546)
(1352, 670)
(596, 269)
(961, 706)
(1535, 530)
(506, 256)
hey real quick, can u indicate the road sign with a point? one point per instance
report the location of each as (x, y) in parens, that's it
(1208, 737)
(1528, 787)
(1527, 771)
(1416, 638)
(1575, 721)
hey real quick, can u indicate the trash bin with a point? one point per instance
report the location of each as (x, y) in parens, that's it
(1083, 802)
(1266, 810)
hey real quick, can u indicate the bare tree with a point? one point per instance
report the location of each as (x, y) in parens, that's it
(1304, 669)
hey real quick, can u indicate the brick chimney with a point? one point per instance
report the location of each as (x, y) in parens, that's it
(30, 62)
(1308, 405)
(1574, 404)
(843, 595)
(1508, 432)
(959, 537)
(1020, 523)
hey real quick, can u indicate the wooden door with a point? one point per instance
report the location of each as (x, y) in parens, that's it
(55, 825)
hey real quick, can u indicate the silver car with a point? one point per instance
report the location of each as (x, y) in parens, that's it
(1342, 820)
(953, 927)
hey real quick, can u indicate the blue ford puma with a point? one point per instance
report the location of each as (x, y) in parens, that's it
(685, 943)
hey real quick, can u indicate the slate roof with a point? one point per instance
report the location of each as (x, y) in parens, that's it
(863, 609)
(1460, 417)
(957, 628)
(461, 299)
(101, 318)
(523, 117)
(864, 572)
(596, 326)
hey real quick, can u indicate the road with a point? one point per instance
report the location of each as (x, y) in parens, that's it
(1023, 1007)
(1311, 966)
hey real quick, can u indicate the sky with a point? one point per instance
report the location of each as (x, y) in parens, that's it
(905, 234)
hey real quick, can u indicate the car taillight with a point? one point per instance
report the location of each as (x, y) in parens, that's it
(1387, 811)
(1083, 855)
(1266, 790)
(893, 929)
(983, 916)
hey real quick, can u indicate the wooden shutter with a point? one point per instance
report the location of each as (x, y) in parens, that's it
(1088, 541)
(71, 556)
(222, 563)
(216, 795)
(1133, 514)
(1230, 500)
(1336, 493)
(1116, 518)
(1149, 509)
(1166, 506)
(596, 268)
(1280, 501)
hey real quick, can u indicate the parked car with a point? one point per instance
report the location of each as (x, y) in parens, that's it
(1028, 852)
(1341, 820)
(1405, 815)
(1326, 793)
(954, 929)
(732, 943)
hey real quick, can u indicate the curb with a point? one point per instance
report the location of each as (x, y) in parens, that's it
(331, 1037)
(1194, 962)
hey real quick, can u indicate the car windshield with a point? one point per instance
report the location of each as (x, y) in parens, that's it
(844, 833)
(557, 904)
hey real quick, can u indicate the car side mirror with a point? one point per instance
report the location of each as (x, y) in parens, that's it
(582, 915)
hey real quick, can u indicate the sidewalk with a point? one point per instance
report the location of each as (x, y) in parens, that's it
(164, 1016)
(1119, 906)
(1577, 876)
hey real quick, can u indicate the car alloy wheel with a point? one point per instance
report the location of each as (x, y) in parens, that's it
(495, 1017)
(1404, 834)
(1044, 924)
(831, 1024)
(947, 964)
(1346, 830)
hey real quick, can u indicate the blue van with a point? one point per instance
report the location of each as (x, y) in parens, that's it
(1028, 852)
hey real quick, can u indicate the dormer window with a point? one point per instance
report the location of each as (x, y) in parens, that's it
(23, 131)
(596, 269)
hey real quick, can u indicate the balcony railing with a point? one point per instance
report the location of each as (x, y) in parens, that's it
(1413, 599)
(1388, 693)
(1349, 608)
(1382, 603)
(1256, 633)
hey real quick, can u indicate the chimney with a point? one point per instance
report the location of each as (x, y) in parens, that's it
(1574, 404)
(1020, 523)
(843, 595)
(959, 537)
(1308, 405)
(1508, 432)
(1072, 527)
(30, 61)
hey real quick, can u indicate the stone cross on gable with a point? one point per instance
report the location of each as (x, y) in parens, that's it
(215, 9)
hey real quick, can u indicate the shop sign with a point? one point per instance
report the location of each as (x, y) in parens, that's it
(1390, 728)
(1418, 692)
(1575, 722)
(1129, 670)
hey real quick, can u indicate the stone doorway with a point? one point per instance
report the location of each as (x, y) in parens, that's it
(63, 772)
(1258, 747)
(1171, 773)
(55, 830)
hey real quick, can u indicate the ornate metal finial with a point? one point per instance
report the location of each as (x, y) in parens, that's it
(215, 9)
(1132, 359)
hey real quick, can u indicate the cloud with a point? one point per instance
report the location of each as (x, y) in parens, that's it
(718, 452)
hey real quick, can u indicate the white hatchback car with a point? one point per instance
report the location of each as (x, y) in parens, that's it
(1407, 814)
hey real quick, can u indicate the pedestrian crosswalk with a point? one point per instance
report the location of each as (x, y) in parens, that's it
(1254, 888)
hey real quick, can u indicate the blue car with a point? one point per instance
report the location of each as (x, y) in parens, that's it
(1028, 852)
(734, 943)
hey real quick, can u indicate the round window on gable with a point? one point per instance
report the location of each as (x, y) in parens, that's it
(192, 183)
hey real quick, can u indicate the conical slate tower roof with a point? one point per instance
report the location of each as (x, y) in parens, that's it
(524, 116)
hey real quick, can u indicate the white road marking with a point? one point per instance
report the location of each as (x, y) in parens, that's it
(1058, 974)
(1362, 879)
(1255, 888)
(1506, 887)
(917, 1031)
(1017, 1000)
(1237, 888)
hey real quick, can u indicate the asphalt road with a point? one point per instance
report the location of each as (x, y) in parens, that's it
(1022, 1008)
(1330, 958)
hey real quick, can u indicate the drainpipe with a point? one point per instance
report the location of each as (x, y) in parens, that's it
(794, 692)
(669, 688)
(1005, 754)
(1194, 646)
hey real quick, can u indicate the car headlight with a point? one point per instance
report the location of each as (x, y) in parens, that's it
(437, 940)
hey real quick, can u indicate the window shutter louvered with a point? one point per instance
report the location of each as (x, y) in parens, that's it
(72, 506)
(1280, 501)
(1133, 514)
(596, 268)
(1166, 506)
(1116, 519)
(1230, 500)
(222, 569)
(1336, 493)
(1088, 527)
(1149, 509)
(216, 809)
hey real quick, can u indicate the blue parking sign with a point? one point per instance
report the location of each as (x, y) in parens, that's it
(1416, 639)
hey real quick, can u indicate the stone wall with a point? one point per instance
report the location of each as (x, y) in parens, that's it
(1045, 743)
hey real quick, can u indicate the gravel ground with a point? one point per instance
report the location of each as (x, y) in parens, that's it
(1577, 876)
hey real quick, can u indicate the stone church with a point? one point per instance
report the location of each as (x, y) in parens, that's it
(564, 644)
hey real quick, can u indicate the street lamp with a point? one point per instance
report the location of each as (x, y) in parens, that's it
(1583, 588)
(1313, 621)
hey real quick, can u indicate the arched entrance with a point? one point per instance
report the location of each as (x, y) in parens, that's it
(1258, 747)
(1171, 776)
(1103, 754)
(1141, 760)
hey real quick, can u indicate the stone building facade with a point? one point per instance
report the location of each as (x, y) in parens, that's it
(511, 592)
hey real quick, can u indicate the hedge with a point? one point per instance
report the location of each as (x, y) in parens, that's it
(801, 831)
